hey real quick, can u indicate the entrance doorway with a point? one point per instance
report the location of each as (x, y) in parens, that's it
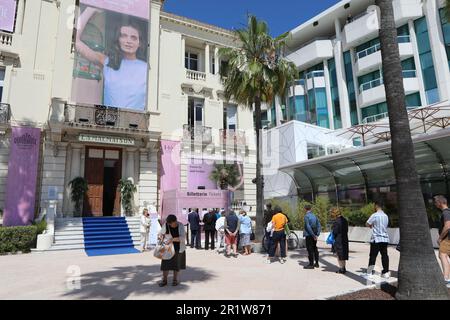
(103, 170)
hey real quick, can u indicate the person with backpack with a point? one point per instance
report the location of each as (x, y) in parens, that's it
(232, 226)
(209, 219)
(311, 234)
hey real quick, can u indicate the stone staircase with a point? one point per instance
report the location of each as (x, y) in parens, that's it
(69, 233)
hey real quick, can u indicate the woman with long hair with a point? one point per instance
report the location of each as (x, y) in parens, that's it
(124, 72)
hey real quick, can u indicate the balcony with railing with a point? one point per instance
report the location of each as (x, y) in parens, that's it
(373, 92)
(9, 43)
(197, 134)
(195, 75)
(381, 116)
(232, 137)
(5, 114)
(315, 79)
(370, 59)
(103, 117)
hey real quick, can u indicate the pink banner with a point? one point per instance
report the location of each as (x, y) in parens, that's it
(7, 14)
(198, 176)
(22, 177)
(170, 166)
(138, 8)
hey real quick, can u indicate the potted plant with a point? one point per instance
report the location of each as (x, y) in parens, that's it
(79, 187)
(127, 190)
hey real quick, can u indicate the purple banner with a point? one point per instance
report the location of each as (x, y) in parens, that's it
(7, 14)
(198, 176)
(22, 177)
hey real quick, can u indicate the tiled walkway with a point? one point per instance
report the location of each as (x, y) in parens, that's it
(73, 275)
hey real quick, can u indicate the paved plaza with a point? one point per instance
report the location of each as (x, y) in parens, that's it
(55, 275)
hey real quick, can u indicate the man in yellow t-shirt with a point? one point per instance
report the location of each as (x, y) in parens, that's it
(279, 220)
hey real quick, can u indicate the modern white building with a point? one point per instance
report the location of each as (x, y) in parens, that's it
(339, 100)
(185, 109)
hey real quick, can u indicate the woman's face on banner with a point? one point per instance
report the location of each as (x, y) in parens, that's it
(129, 40)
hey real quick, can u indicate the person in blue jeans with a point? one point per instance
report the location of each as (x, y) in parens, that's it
(311, 234)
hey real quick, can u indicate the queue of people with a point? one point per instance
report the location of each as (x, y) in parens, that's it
(229, 229)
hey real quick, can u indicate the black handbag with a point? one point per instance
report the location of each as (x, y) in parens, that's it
(252, 235)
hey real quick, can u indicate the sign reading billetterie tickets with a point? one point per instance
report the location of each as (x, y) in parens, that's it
(111, 62)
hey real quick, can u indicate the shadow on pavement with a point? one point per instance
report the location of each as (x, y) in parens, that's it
(121, 282)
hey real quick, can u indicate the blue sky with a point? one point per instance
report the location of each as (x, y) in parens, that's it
(281, 15)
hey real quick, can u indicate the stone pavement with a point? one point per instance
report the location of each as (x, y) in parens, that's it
(73, 275)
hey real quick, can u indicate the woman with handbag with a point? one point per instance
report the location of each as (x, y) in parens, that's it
(340, 236)
(245, 233)
(174, 232)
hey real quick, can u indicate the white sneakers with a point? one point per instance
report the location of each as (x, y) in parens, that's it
(283, 260)
(386, 275)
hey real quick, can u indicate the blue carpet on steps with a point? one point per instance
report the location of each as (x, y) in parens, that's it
(110, 251)
(107, 236)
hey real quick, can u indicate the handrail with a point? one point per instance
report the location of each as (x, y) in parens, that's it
(404, 39)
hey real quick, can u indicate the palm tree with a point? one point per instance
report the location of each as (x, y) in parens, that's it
(255, 74)
(419, 275)
(225, 175)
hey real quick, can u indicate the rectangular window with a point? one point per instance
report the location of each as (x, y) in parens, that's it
(191, 61)
(445, 32)
(195, 112)
(334, 94)
(230, 117)
(351, 88)
(426, 61)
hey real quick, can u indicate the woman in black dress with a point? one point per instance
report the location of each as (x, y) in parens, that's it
(340, 233)
(178, 237)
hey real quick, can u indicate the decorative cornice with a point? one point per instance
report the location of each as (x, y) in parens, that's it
(197, 25)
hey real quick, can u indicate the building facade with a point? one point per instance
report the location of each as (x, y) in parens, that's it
(48, 82)
(338, 55)
(337, 109)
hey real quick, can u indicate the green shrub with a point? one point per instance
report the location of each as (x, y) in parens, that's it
(288, 210)
(321, 208)
(301, 213)
(14, 239)
(40, 225)
(358, 218)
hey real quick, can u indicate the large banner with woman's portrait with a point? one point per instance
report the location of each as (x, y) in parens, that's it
(111, 54)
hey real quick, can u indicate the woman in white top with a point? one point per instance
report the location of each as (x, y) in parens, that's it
(124, 74)
(155, 227)
(145, 226)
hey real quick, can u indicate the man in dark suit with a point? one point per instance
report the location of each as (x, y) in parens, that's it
(209, 220)
(194, 226)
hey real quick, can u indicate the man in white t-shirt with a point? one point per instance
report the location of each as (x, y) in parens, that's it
(220, 227)
(379, 241)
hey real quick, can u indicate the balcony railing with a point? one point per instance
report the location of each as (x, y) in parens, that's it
(378, 82)
(377, 47)
(108, 117)
(314, 74)
(5, 113)
(383, 115)
(195, 75)
(233, 137)
(6, 39)
(198, 134)
(368, 51)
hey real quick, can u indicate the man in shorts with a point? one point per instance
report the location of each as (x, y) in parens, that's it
(444, 236)
(232, 224)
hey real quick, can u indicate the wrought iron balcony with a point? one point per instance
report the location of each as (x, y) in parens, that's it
(108, 117)
(232, 137)
(197, 134)
(5, 113)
